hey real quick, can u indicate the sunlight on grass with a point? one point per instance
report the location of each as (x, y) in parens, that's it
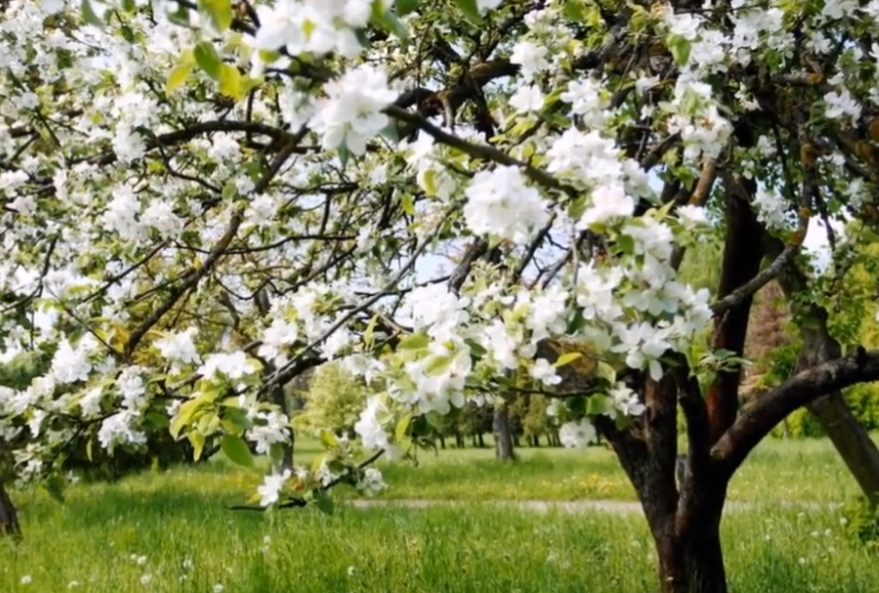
(170, 532)
(157, 535)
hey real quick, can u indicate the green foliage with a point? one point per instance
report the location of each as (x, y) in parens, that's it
(334, 401)
(862, 521)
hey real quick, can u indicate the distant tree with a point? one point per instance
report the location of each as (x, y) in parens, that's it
(334, 401)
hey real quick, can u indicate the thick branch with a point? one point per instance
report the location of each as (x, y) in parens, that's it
(742, 255)
(772, 407)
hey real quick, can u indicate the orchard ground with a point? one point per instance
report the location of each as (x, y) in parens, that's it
(159, 531)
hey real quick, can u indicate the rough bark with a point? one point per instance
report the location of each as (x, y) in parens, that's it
(503, 439)
(741, 263)
(685, 525)
(848, 436)
(692, 562)
(8, 516)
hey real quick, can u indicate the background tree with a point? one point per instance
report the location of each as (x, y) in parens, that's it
(334, 401)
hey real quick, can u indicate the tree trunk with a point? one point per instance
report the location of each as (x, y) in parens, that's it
(480, 441)
(851, 441)
(8, 515)
(692, 564)
(442, 441)
(503, 440)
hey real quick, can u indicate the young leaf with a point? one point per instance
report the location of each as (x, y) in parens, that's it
(197, 439)
(470, 10)
(402, 427)
(89, 15)
(230, 82)
(607, 372)
(236, 450)
(276, 453)
(328, 438)
(413, 342)
(177, 77)
(219, 13)
(567, 358)
(404, 7)
(208, 59)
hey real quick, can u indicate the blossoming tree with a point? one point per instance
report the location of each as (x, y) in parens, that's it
(203, 199)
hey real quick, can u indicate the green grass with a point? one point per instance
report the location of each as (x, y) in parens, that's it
(170, 517)
(92, 537)
(806, 470)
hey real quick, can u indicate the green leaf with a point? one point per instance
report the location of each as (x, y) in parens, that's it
(55, 487)
(236, 450)
(598, 404)
(129, 5)
(89, 15)
(324, 502)
(317, 462)
(573, 10)
(680, 49)
(230, 82)
(402, 427)
(607, 372)
(369, 333)
(328, 438)
(197, 439)
(238, 417)
(177, 77)
(276, 453)
(344, 154)
(185, 415)
(229, 191)
(470, 10)
(208, 59)
(407, 202)
(219, 13)
(567, 358)
(437, 365)
(413, 342)
(404, 7)
(476, 349)
(429, 183)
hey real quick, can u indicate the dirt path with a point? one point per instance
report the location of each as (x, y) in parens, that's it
(578, 506)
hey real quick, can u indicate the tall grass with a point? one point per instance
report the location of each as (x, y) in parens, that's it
(96, 540)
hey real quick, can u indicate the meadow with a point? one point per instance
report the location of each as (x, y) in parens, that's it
(171, 531)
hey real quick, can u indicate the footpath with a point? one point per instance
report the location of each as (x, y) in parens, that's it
(577, 506)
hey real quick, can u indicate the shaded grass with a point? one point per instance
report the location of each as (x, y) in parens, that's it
(167, 519)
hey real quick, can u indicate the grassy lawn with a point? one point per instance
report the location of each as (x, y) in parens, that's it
(807, 470)
(96, 537)
(93, 542)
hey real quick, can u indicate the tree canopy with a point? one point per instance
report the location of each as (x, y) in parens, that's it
(203, 199)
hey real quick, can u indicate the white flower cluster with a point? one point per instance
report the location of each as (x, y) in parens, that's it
(372, 482)
(312, 26)
(500, 203)
(351, 112)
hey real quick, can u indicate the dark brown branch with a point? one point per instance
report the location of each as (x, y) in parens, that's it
(770, 408)
(742, 255)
